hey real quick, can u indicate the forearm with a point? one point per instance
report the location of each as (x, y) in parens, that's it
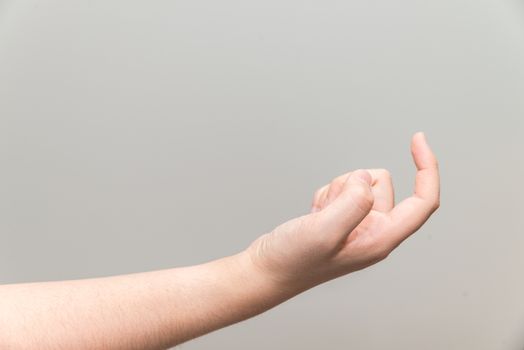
(151, 310)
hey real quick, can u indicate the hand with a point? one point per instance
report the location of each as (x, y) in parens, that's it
(354, 223)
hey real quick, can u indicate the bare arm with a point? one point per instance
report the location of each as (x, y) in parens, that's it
(151, 310)
(353, 224)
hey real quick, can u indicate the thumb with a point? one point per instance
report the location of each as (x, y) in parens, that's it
(350, 207)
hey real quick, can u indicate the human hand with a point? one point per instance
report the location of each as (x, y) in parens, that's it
(354, 223)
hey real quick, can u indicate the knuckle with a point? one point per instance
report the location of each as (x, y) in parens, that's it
(381, 251)
(339, 180)
(383, 254)
(362, 197)
(436, 163)
(384, 173)
(433, 204)
(317, 193)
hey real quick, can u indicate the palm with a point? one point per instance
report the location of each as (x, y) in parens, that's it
(361, 241)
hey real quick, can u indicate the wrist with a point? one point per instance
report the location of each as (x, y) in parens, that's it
(286, 274)
(261, 287)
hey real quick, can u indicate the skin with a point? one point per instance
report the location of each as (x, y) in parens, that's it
(353, 223)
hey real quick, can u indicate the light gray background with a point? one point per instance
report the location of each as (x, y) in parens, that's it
(139, 135)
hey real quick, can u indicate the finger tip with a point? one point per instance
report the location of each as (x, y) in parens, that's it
(419, 141)
(419, 136)
(422, 153)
